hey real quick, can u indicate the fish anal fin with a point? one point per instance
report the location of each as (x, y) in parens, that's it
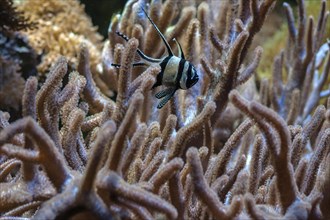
(165, 99)
(163, 93)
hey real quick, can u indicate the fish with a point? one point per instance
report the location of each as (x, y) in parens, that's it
(176, 72)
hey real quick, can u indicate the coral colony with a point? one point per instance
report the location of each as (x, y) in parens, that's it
(90, 142)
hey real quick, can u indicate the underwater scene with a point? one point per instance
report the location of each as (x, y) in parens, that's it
(165, 109)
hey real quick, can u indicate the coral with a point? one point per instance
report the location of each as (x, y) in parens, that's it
(61, 27)
(11, 19)
(278, 37)
(11, 85)
(225, 149)
(17, 59)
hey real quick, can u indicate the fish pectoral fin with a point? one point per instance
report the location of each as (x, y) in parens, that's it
(165, 99)
(164, 92)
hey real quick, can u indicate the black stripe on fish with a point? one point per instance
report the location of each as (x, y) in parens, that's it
(188, 82)
(163, 65)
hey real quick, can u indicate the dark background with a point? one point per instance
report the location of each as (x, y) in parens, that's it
(101, 12)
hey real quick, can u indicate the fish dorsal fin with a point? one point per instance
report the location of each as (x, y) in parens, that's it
(169, 50)
(181, 54)
(141, 54)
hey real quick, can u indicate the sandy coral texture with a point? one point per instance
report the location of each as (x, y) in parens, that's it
(94, 146)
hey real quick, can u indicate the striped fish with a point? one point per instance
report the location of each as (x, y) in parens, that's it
(176, 72)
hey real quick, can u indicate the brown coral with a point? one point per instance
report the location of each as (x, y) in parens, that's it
(125, 159)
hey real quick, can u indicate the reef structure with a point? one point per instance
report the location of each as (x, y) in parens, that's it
(225, 149)
(61, 27)
(18, 59)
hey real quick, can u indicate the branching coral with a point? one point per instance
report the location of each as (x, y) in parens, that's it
(221, 150)
(61, 27)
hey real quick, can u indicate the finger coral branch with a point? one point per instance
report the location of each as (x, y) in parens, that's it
(203, 12)
(165, 173)
(47, 118)
(291, 21)
(227, 81)
(216, 41)
(7, 167)
(104, 138)
(153, 149)
(251, 207)
(18, 152)
(185, 133)
(124, 79)
(325, 189)
(203, 191)
(91, 92)
(135, 144)
(223, 157)
(153, 166)
(177, 195)
(69, 140)
(168, 129)
(315, 162)
(58, 172)
(284, 170)
(116, 186)
(232, 178)
(22, 209)
(255, 166)
(309, 128)
(186, 16)
(294, 107)
(29, 98)
(139, 212)
(249, 70)
(117, 145)
(211, 73)
(136, 83)
(29, 109)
